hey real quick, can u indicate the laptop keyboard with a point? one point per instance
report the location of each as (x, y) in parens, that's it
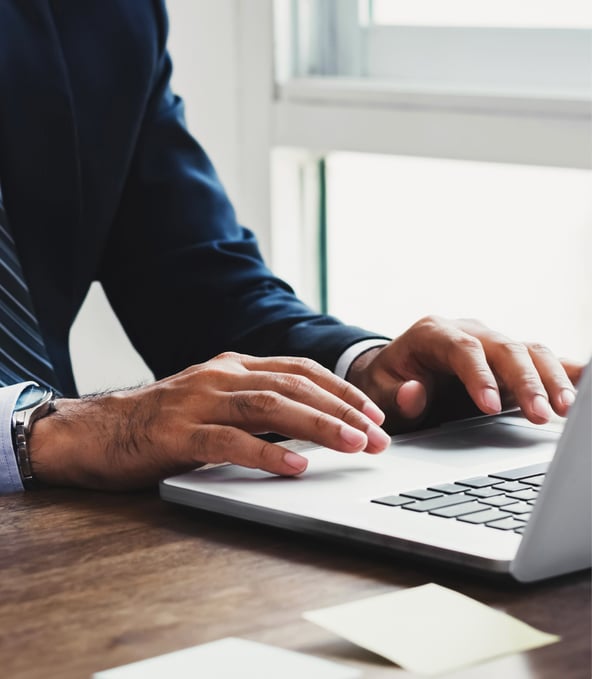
(503, 500)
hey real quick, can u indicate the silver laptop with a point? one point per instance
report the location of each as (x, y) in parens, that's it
(497, 494)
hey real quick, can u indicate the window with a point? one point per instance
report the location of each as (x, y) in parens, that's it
(509, 244)
(435, 157)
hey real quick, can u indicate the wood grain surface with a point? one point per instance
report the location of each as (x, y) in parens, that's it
(90, 581)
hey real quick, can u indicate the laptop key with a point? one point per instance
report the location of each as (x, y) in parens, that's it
(457, 510)
(511, 486)
(535, 480)
(392, 500)
(448, 488)
(522, 472)
(497, 500)
(518, 508)
(520, 530)
(506, 524)
(527, 494)
(436, 503)
(421, 494)
(485, 516)
(478, 482)
(485, 492)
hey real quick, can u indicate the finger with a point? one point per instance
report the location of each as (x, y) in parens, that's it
(268, 411)
(513, 364)
(573, 369)
(321, 376)
(304, 390)
(411, 399)
(457, 352)
(533, 383)
(216, 443)
(554, 378)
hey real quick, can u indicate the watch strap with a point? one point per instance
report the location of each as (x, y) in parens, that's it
(21, 433)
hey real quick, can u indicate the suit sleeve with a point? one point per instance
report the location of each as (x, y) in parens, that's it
(186, 280)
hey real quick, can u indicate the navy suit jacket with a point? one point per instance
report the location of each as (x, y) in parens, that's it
(102, 181)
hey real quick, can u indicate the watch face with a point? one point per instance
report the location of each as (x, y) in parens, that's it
(30, 396)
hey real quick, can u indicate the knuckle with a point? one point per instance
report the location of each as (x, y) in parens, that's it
(268, 401)
(512, 347)
(467, 343)
(346, 393)
(201, 442)
(209, 444)
(323, 422)
(306, 364)
(255, 403)
(530, 384)
(266, 455)
(473, 323)
(192, 370)
(347, 414)
(241, 403)
(295, 384)
(433, 325)
(227, 356)
(484, 375)
(210, 371)
(430, 322)
(225, 437)
(538, 348)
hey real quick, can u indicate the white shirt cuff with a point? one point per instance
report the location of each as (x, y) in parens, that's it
(351, 353)
(10, 478)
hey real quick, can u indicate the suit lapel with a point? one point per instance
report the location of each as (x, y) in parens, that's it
(39, 159)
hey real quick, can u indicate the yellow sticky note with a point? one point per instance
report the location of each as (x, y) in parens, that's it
(429, 629)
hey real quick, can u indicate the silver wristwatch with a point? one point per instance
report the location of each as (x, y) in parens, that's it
(34, 403)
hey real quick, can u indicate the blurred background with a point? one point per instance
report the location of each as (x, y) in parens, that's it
(395, 158)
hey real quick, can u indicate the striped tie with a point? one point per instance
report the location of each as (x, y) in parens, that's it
(22, 352)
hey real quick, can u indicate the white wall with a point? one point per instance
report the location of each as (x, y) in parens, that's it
(204, 44)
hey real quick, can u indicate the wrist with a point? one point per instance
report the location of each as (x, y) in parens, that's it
(355, 350)
(50, 445)
(358, 370)
(85, 441)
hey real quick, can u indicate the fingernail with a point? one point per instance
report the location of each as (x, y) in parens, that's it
(377, 437)
(297, 462)
(566, 397)
(491, 400)
(353, 437)
(372, 411)
(541, 408)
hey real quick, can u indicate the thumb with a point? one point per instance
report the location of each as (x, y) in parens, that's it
(411, 399)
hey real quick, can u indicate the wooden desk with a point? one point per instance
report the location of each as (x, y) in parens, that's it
(89, 581)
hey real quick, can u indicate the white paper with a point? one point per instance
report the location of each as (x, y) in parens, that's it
(429, 629)
(230, 658)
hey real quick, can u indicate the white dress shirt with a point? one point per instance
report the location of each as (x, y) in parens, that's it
(10, 478)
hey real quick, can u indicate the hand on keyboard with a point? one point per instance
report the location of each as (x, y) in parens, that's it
(424, 375)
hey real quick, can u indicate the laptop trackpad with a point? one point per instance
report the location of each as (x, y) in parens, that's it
(479, 444)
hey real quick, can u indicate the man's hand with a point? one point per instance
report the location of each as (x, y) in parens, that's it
(207, 413)
(412, 374)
